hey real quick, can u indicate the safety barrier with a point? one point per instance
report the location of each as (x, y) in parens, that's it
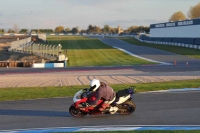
(44, 50)
(34, 64)
(11, 34)
(27, 46)
(9, 64)
(47, 65)
(19, 45)
(170, 43)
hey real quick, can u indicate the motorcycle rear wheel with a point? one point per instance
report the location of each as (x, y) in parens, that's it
(129, 106)
(76, 112)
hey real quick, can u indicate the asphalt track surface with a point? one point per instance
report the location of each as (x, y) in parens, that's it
(145, 68)
(169, 108)
(150, 53)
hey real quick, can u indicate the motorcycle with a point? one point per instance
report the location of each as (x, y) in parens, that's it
(123, 102)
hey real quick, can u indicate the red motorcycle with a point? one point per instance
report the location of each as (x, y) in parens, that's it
(123, 102)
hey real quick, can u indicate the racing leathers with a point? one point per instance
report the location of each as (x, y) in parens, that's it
(104, 92)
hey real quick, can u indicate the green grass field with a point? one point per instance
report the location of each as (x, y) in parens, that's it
(83, 51)
(23, 93)
(194, 53)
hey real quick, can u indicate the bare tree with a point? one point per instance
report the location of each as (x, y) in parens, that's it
(10, 30)
(177, 16)
(194, 11)
(16, 28)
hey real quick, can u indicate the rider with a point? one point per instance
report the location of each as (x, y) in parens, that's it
(105, 92)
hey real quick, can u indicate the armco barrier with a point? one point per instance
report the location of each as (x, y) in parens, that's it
(187, 45)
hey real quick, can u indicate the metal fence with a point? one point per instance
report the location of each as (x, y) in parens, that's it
(27, 46)
(19, 44)
(169, 43)
(44, 50)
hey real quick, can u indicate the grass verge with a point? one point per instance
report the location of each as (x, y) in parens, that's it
(83, 51)
(194, 53)
(64, 91)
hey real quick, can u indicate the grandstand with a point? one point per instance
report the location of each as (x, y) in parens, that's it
(184, 32)
(25, 51)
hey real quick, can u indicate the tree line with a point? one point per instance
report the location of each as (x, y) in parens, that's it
(194, 12)
(92, 29)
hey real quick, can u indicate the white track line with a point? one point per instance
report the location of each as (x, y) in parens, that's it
(105, 128)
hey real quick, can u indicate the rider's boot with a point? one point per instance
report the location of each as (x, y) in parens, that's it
(113, 109)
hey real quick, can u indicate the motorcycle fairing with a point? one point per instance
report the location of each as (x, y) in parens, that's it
(77, 96)
(123, 99)
(123, 95)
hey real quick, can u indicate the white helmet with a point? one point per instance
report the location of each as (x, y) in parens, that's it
(94, 84)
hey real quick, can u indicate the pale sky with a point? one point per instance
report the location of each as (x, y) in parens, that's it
(30, 14)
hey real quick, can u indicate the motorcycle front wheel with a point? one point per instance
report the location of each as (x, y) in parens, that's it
(76, 112)
(127, 108)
